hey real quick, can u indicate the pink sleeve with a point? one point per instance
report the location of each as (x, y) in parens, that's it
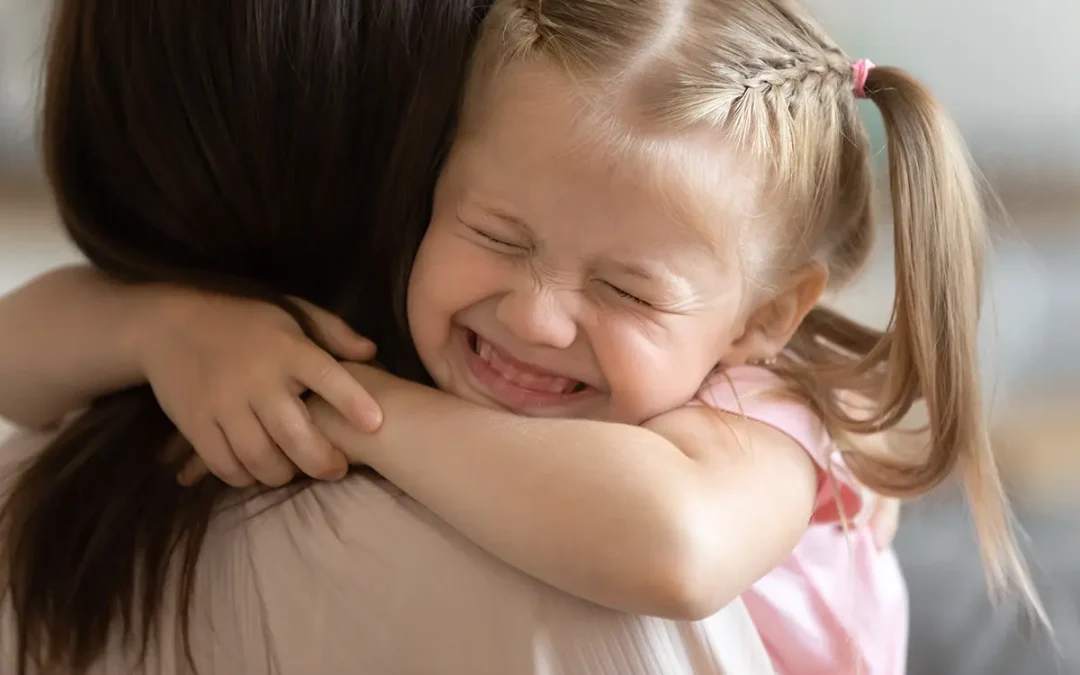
(748, 392)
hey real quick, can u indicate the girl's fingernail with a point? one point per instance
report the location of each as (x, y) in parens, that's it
(367, 348)
(374, 420)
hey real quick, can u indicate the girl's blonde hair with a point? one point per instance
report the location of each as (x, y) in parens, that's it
(767, 80)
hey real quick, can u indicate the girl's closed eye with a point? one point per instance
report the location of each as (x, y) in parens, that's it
(496, 240)
(629, 296)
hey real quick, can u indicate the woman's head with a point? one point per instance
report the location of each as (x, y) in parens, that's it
(279, 147)
(640, 191)
(254, 147)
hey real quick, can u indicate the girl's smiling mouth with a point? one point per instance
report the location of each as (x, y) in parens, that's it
(514, 383)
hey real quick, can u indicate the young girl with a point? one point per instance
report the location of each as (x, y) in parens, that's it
(644, 205)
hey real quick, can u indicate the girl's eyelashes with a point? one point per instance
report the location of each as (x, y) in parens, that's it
(629, 296)
(519, 247)
(495, 240)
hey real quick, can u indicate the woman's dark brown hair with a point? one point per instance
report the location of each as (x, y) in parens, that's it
(255, 147)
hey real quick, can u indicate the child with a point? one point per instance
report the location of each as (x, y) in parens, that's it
(644, 205)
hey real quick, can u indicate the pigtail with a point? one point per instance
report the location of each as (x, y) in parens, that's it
(930, 350)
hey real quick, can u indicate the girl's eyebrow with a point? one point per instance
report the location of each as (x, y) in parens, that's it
(664, 277)
(496, 211)
(632, 269)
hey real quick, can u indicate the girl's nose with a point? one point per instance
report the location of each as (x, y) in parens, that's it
(538, 316)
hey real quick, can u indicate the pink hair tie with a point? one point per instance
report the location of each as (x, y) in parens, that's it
(860, 70)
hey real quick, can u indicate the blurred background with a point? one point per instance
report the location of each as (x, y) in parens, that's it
(1007, 71)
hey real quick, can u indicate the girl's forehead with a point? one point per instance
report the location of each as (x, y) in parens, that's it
(543, 145)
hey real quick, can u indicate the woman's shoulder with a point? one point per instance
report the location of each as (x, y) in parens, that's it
(357, 577)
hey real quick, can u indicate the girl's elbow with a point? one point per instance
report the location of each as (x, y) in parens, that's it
(692, 587)
(693, 579)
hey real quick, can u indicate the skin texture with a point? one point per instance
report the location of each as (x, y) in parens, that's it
(648, 520)
(551, 253)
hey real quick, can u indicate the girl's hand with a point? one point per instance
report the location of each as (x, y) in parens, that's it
(229, 373)
(356, 445)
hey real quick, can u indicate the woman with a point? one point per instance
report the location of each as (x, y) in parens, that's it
(234, 147)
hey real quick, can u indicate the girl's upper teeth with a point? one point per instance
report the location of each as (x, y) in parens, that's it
(524, 379)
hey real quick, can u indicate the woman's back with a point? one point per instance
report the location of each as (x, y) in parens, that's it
(354, 577)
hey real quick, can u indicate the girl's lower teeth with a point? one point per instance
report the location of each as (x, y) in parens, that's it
(483, 350)
(565, 390)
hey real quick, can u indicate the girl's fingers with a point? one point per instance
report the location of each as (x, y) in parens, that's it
(286, 419)
(342, 341)
(318, 371)
(256, 450)
(213, 446)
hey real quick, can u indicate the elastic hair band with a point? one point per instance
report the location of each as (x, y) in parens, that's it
(860, 70)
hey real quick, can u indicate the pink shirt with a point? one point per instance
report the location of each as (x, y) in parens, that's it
(838, 605)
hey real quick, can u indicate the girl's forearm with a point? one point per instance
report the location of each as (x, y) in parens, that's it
(66, 337)
(610, 513)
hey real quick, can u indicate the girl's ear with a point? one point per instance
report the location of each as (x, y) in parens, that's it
(774, 321)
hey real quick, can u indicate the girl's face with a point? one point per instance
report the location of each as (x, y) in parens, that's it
(555, 282)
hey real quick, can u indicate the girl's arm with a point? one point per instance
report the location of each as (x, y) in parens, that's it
(227, 371)
(66, 337)
(674, 519)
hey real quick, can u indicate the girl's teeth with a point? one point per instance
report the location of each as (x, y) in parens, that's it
(526, 380)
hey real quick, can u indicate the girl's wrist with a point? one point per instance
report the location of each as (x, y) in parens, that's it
(403, 403)
(359, 448)
(156, 312)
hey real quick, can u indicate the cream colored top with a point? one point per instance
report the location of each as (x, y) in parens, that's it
(356, 578)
